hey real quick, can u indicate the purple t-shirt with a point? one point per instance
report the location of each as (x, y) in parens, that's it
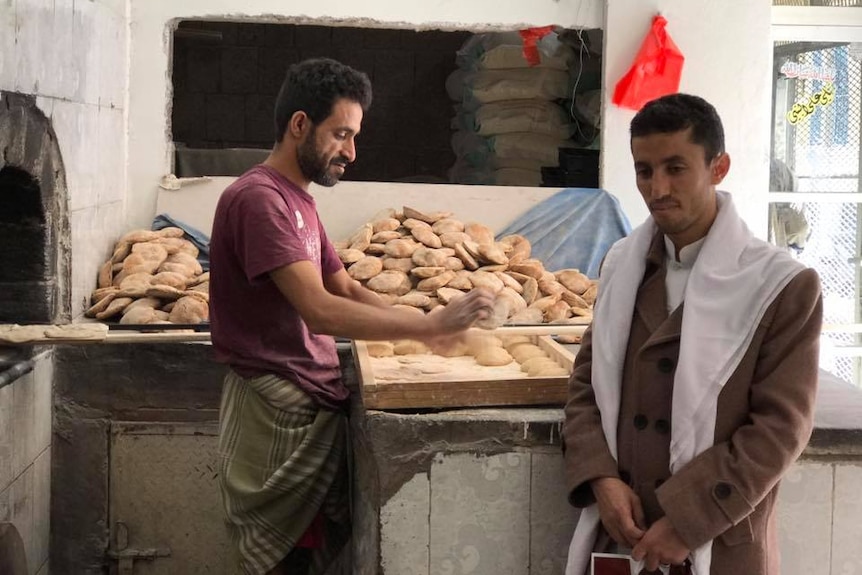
(263, 222)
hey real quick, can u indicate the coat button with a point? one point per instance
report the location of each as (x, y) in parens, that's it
(662, 426)
(665, 365)
(641, 421)
(721, 490)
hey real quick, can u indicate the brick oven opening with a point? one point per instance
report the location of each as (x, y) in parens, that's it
(34, 226)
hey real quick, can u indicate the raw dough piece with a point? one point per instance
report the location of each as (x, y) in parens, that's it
(513, 340)
(409, 346)
(492, 356)
(15, 333)
(81, 331)
(525, 351)
(458, 349)
(534, 362)
(548, 371)
(380, 348)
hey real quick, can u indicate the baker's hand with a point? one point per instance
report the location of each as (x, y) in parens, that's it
(620, 510)
(661, 544)
(461, 312)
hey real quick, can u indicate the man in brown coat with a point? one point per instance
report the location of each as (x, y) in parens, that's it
(694, 388)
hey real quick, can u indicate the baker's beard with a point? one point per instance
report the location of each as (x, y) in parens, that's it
(315, 166)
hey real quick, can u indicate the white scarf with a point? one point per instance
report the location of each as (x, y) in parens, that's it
(734, 279)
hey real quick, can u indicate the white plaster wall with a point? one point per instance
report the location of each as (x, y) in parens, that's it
(71, 54)
(728, 54)
(152, 20)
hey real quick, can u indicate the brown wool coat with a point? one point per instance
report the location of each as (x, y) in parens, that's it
(764, 419)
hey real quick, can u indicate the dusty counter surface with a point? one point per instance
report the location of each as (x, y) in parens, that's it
(435, 491)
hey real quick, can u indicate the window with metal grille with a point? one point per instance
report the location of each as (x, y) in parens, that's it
(816, 175)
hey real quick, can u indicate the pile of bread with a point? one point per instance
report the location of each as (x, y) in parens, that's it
(152, 277)
(421, 261)
(415, 260)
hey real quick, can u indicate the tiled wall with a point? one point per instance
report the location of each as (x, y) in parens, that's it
(224, 90)
(25, 460)
(820, 515)
(503, 514)
(71, 54)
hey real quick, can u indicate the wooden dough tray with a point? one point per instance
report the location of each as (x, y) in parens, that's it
(427, 380)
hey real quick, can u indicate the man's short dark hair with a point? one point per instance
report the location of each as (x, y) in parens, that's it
(313, 86)
(678, 112)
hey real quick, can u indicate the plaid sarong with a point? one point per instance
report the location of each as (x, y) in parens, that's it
(282, 460)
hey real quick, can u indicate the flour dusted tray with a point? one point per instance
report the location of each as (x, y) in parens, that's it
(427, 380)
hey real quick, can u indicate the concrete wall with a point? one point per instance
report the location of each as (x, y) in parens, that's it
(72, 56)
(25, 460)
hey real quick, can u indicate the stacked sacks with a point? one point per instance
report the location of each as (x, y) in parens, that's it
(421, 261)
(508, 121)
(152, 277)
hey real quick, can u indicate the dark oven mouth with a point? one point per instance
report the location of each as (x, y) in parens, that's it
(34, 226)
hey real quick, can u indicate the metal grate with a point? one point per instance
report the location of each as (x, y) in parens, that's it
(830, 3)
(820, 144)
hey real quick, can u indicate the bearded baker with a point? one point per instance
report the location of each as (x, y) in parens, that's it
(693, 391)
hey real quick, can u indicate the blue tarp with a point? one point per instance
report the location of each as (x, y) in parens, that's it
(572, 229)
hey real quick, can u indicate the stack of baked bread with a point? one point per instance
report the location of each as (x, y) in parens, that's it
(422, 261)
(152, 277)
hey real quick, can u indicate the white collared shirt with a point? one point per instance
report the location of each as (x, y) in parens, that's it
(678, 270)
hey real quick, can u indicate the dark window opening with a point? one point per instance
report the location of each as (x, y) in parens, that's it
(226, 76)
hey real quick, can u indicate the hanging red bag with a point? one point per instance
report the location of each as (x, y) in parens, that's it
(655, 72)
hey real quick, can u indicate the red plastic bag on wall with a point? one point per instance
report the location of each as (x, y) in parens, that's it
(655, 72)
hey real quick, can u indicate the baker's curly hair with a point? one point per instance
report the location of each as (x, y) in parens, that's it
(313, 86)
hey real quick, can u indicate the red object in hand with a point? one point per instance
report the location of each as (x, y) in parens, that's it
(531, 36)
(655, 72)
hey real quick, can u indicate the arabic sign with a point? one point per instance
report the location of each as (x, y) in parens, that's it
(808, 71)
(804, 108)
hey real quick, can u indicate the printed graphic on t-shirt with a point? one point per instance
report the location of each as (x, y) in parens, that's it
(311, 239)
(299, 221)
